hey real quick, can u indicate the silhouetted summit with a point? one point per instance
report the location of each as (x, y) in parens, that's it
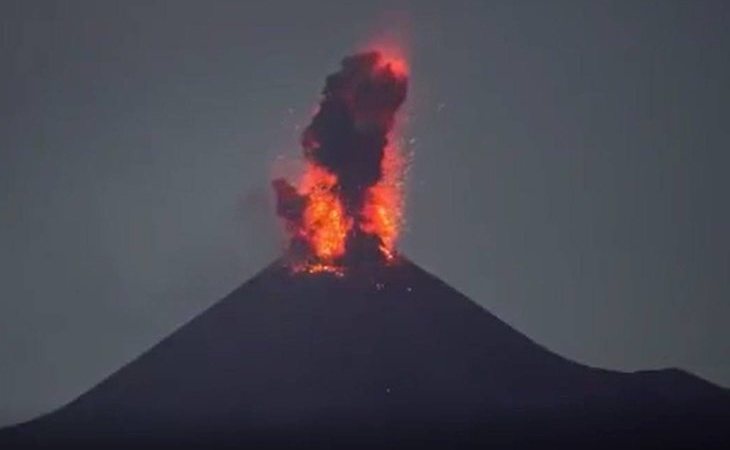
(385, 356)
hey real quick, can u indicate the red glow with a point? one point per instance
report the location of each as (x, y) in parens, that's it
(393, 48)
(397, 64)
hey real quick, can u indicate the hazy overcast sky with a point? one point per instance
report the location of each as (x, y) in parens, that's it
(570, 170)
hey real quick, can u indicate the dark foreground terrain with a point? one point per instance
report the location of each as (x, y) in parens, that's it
(384, 357)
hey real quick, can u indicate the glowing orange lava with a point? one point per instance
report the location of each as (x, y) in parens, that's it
(325, 224)
(383, 209)
(319, 268)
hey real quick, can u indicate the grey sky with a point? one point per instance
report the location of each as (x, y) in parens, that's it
(569, 171)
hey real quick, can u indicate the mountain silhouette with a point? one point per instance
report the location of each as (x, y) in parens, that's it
(386, 356)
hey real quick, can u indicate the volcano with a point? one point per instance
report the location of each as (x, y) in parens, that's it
(387, 356)
(345, 343)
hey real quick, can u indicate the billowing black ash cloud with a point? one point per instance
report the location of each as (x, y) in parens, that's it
(349, 133)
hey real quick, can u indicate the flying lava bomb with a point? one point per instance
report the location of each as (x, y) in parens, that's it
(347, 206)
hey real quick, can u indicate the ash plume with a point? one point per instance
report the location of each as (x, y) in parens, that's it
(347, 138)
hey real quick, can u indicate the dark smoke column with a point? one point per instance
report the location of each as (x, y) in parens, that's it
(346, 139)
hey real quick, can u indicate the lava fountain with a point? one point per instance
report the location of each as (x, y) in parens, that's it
(347, 206)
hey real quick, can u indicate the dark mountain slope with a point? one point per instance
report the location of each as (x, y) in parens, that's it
(385, 356)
